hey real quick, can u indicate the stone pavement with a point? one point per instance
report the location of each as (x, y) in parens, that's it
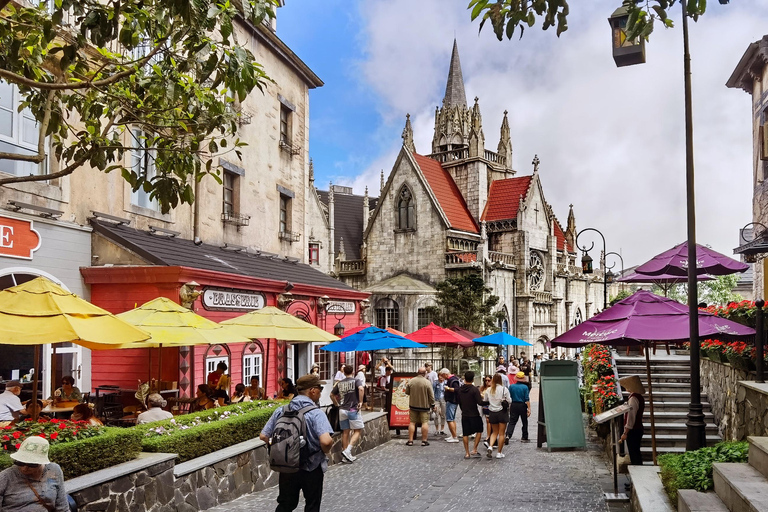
(436, 478)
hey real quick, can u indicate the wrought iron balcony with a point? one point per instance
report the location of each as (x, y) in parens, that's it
(290, 236)
(235, 218)
(291, 149)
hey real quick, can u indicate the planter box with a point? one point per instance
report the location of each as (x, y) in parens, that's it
(740, 362)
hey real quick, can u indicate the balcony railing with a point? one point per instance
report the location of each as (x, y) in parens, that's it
(235, 218)
(461, 244)
(352, 267)
(542, 297)
(290, 236)
(495, 158)
(461, 258)
(450, 156)
(291, 149)
(501, 257)
(562, 269)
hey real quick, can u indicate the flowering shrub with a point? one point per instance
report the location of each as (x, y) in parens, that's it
(55, 431)
(715, 348)
(188, 421)
(738, 348)
(596, 359)
(753, 354)
(605, 394)
(742, 312)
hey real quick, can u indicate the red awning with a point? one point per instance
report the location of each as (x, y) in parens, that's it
(434, 334)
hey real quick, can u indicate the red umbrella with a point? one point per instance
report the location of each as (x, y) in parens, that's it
(467, 334)
(434, 334)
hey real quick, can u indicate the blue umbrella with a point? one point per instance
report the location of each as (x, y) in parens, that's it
(500, 338)
(370, 339)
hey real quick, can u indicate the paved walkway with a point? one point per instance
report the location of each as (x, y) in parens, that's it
(436, 478)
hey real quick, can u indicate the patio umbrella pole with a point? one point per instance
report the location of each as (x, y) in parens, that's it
(53, 368)
(35, 382)
(650, 400)
(266, 372)
(159, 367)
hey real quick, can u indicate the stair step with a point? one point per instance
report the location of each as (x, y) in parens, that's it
(672, 405)
(710, 427)
(646, 451)
(758, 454)
(668, 385)
(671, 440)
(641, 370)
(622, 359)
(670, 396)
(679, 416)
(740, 486)
(689, 500)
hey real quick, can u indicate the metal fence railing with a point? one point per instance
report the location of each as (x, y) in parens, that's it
(411, 365)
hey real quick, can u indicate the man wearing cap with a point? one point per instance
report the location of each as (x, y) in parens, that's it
(10, 405)
(309, 478)
(33, 483)
(520, 408)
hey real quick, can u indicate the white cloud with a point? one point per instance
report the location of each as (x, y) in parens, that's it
(611, 140)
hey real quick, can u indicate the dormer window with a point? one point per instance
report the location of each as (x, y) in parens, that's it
(406, 214)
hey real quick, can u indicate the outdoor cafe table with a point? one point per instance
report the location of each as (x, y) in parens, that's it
(55, 409)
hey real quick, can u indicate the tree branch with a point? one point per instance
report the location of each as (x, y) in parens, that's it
(40, 156)
(45, 177)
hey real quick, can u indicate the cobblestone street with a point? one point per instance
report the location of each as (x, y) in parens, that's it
(436, 478)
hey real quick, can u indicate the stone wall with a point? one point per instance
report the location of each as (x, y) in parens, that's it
(155, 483)
(739, 405)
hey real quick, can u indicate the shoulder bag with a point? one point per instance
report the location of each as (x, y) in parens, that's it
(49, 507)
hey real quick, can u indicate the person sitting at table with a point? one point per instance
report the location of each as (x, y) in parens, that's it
(219, 383)
(30, 408)
(287, 389)
(239, 395)
(154, 412)
(202, 400)
(255, 392)
(67, 392)
(10, 405)
(83, 412)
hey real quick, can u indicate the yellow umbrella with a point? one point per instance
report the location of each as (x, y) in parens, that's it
(271, 322)
(39, 312)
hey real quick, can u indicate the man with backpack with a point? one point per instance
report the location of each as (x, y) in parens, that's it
(299, 436)
(348, 395)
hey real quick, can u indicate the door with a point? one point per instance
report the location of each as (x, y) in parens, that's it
(252, 368)
(289, 362)
(68, 360)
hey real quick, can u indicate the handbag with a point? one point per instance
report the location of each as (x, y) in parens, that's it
(504, 404)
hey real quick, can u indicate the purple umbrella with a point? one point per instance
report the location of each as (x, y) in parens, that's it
(675, 262)
(642, 318)
(661, 279)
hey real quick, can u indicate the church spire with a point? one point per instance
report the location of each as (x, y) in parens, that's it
(454, 89)
(505, 143)
(408, 135)
(570, 231)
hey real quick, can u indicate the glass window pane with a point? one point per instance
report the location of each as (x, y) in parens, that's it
(6, 123)
(6, 96)
(29, 130)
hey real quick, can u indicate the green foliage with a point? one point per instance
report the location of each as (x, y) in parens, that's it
(113, 446)
(466, 301)
(623, 294)
(197, 434)
(693, 470)
(717, 291)
(92, 72)
(506, 16)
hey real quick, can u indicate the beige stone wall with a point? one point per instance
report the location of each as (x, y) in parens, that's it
(264, 163)
(317, 230)
(759, 174)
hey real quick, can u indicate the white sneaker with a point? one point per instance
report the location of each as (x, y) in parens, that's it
(500, 455)
(451, 440)
(489, 452)
(347, 454)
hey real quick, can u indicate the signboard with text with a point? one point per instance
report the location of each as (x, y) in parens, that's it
(18, 238)
(224, 299)
(399, 411)
(337, 306)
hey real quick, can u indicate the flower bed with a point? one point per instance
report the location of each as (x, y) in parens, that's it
(742, 312)
(599, 389)
(693, 470)
(198, 434)
(77, 446)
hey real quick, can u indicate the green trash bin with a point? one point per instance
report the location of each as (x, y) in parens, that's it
(560, 423)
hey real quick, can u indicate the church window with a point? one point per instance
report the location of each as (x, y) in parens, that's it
(406, 217)
(535, 271)
(387, 314)
(424, 317)
(314, 253)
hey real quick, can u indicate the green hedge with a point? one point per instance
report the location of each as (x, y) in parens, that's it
(76, 458)
(693, 470)
(204, 438)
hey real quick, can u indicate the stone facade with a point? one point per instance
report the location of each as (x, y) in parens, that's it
(739, 405)
(202, 483)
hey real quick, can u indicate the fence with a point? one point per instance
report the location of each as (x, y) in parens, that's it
(403, 365)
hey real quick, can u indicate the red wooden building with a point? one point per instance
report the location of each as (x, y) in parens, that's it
(230, 283)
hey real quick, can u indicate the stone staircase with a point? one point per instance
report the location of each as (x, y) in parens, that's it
(739, 487)
(671, 379)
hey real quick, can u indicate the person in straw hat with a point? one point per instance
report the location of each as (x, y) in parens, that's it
(33, 483)
(633, 419)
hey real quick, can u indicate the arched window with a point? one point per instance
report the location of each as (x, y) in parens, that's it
(406, 216)
(387, 314)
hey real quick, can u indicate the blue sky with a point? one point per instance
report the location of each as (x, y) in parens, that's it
(610, 140)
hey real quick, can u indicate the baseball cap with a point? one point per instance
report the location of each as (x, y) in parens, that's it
(308, 382)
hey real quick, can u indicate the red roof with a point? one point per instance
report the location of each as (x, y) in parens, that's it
(560, 236)
(447, 194)
(504, 198)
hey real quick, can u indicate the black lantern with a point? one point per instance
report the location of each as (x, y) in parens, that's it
(609, 276)
(586, 263)
(338, 329)
(626, 52)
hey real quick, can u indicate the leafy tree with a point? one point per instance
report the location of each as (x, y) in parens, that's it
(467, 302)
(623, 294)
(506, 16)
(718, 291)
(158, 77)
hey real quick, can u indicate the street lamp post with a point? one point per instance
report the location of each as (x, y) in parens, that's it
(586, 262)
(612, 253)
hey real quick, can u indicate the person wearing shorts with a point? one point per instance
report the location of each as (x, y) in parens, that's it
(452, 386)
(348, 394)
(471, 421)
(421, 400)
(497, 396)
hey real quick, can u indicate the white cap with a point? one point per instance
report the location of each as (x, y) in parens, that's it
(34, 450)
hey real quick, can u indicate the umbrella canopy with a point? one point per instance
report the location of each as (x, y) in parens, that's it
(675, 262)
(644, 316)
(172, 325)
(660, 279)
(501, 338)
(467, 334)
(353, 330)
(271, 322)
(434, 334)
(39, 312)
(370, 339)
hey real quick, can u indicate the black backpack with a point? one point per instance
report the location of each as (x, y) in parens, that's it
(287, 446)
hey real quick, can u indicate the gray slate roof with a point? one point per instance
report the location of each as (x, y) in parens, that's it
(164, 250)
(348, 221)
(454, 89)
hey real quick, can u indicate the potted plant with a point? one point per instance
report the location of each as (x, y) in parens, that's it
(737, 354)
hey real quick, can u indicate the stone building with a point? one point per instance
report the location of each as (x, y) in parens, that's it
(751, 75)
(248, 241)
(462, 208)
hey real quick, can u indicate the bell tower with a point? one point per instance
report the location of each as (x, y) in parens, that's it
(453, 121)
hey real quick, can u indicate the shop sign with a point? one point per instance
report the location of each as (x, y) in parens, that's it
(338, 306)
(399, 410)
(224, 299)
(18, 238)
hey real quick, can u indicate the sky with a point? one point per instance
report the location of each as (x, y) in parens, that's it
(611, 140)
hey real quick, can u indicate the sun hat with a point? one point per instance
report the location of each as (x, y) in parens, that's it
(632, 384)
(501, 369)
(361, 367)
(308, 382)
(520, 375)
(34, 450)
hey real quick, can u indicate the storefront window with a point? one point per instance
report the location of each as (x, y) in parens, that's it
(387, 314)
(323, 360)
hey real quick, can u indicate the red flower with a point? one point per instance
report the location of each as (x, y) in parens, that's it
(42, 434)
(62, 425)
(16, 435)
(54, 435)
(18, 445)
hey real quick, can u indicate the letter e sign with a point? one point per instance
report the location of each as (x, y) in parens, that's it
(18, 239)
